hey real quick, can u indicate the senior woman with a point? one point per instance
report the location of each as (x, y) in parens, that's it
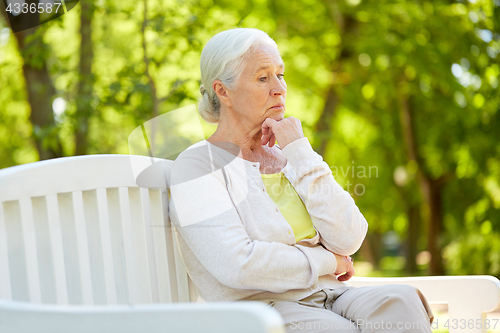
(264, 222)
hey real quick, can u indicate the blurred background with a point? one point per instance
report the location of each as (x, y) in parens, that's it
(401, 98)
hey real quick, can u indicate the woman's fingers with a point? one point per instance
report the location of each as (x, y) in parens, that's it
(346, 276)
(349, 274)
(272, 141)
(267, 131)
(350, 270)
(266, 138)
(345, 269)
(342, 264)
(284, 131)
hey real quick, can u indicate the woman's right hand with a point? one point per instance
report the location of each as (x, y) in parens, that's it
(344, 265)
(284, 131)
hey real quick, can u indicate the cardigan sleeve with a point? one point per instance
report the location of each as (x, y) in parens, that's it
(205, 217)
(342, 227)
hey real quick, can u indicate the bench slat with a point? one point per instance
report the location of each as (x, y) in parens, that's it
(117, 242)
(83, 249)
(139, 245)
(129, 247)
(165, 277)
(70, 245)
(5, 287)
(16, 251)
(182, 280)
(56, 241)
(148, 233)
(94, 245)
(107, 252)
(30, 250)
(37, 219)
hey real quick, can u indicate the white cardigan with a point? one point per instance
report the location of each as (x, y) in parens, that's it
(234, 241)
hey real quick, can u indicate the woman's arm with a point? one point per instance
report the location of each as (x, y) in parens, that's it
(204, 215)
(334, 214)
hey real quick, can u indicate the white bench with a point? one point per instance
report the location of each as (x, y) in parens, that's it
(84, 248)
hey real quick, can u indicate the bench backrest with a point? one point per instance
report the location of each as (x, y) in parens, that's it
(79, 230)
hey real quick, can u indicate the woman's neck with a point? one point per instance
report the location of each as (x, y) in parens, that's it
(247, 138)
(248, 147)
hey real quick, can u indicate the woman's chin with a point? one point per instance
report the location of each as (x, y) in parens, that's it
(279, 117)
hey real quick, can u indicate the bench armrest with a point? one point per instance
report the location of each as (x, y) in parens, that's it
(468, 297)
(244, 317)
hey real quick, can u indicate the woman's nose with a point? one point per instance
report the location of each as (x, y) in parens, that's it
(279, 87)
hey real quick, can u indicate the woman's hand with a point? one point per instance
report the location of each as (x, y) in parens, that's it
(285, 131)
(344, 265)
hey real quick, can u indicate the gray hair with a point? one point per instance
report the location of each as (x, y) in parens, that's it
(222, 59)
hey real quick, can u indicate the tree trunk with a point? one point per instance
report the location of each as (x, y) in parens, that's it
(151, 82)
(86, 79)
(39, 87)
(324, 123)
(371, 249)
(40, 94)
(432, 192)
(346, 25)
(429, 188)
(413, 212)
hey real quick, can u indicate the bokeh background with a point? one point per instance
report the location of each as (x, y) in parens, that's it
(400, 97)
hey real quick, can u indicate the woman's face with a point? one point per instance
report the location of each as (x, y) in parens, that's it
(261, 86)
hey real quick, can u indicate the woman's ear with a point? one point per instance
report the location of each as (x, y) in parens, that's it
(221, 92)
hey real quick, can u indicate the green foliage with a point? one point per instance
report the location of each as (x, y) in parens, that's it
(374, 54)
(475, 253)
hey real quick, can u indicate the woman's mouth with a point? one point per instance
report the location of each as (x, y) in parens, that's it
(278, 107)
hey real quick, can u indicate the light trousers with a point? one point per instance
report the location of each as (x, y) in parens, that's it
(382, 309)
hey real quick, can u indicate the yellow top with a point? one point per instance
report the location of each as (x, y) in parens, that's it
(291, 206)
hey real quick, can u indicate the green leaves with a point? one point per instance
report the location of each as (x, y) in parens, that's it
(352, 67)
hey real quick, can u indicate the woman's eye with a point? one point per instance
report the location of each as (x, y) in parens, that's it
(263, 79)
